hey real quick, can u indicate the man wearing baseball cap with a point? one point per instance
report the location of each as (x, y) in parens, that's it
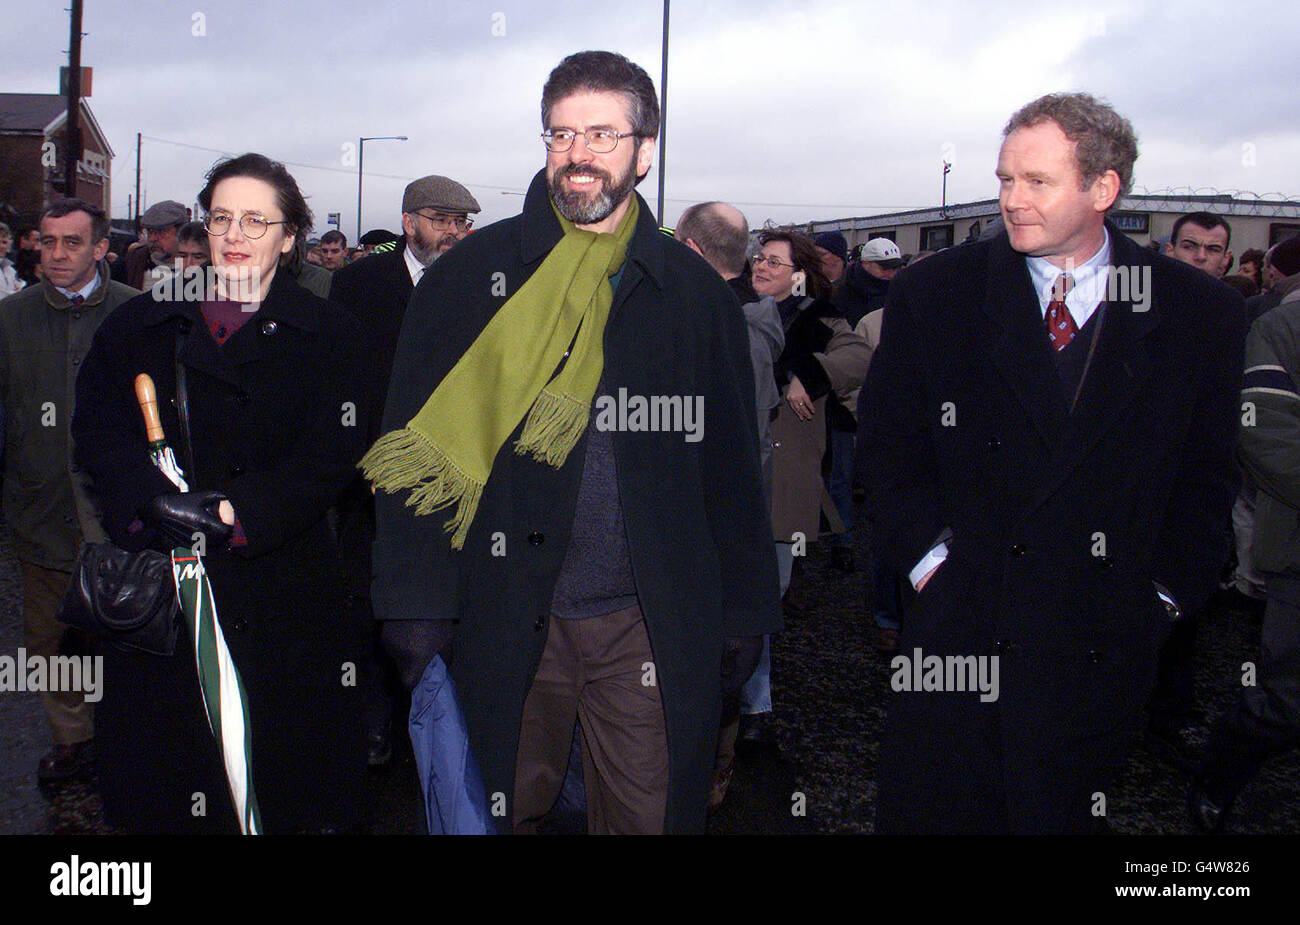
(435, 215)
(147, 264)
(866, 283)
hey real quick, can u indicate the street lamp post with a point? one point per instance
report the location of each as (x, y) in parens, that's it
(361, 159)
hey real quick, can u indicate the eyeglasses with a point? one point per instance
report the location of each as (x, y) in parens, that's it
(438, 220)
(598, 140)
(253, 226)
(772, 262)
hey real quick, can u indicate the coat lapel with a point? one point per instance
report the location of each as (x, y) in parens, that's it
(1021, 353)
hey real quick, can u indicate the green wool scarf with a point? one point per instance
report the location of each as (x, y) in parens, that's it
(445, 453)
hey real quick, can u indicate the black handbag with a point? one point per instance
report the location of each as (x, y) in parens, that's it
(128, 599)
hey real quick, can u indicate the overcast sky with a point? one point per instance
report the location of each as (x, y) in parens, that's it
(793, 111)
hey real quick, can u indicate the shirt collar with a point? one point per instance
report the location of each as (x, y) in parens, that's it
(1090, 278)
(413, 266)
(84, 291)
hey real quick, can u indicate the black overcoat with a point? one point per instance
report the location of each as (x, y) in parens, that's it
(277, 416)
(1061, 523)
(697, 526)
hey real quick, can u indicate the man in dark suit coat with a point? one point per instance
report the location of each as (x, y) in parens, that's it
(679, 527)
(435, 215)
(1054, 475)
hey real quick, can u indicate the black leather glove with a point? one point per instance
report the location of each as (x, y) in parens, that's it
(180, 515)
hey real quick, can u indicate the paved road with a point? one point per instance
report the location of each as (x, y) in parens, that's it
(830, 688)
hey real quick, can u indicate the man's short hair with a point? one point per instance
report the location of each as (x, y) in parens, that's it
(1104, 140)
(724, 245)
(334, 237)
(193, 232)
(1253, 255)
(1207, 220)
(1285, 256)
(604, 72)
(98, 217)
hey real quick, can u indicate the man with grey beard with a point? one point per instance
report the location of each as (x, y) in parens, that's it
(435, 215)
(594, 571)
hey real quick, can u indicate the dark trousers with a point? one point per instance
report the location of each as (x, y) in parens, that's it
(600, 670)
(1266, 719)
(71, 717)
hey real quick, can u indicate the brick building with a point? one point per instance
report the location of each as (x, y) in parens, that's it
(31, 172)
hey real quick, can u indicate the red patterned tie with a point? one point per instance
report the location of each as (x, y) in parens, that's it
(1060, 323)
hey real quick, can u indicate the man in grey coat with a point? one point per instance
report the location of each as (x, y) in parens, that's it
(719, 233)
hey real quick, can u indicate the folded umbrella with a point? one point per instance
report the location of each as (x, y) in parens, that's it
(224, 698)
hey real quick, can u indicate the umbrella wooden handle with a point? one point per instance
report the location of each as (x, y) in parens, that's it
(147, 395)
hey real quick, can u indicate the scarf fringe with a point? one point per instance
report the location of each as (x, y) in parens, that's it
(554, 426)
(407, 459)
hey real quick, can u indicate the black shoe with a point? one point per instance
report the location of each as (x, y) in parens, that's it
(1206, 814)
(66, 761)
(755, 741)
(753, 728)
(842, 559)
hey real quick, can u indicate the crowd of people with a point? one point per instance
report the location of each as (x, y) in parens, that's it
(405, 480)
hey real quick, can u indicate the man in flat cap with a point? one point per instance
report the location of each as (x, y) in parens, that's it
(147, 264)
(435, 215)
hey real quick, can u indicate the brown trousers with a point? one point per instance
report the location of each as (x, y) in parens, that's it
(71, 718)
(600, 670)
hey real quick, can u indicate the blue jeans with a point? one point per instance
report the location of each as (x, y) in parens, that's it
(756, 695)
(839, 484)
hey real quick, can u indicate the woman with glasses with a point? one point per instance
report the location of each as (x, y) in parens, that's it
(822, 358)
(274, 393)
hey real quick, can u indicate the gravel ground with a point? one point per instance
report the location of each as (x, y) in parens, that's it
(830, 689)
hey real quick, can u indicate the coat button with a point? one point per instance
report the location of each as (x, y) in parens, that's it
(76, 316)
(994, 443)
(536, 539)
(76, 361)
(1094, 656)
(239, 624)
(540, 623)
(269, 328)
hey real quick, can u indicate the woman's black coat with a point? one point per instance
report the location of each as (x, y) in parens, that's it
(275, 423)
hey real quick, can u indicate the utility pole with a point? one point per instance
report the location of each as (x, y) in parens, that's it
(137, 184)
(663, 119)
(72, 127)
